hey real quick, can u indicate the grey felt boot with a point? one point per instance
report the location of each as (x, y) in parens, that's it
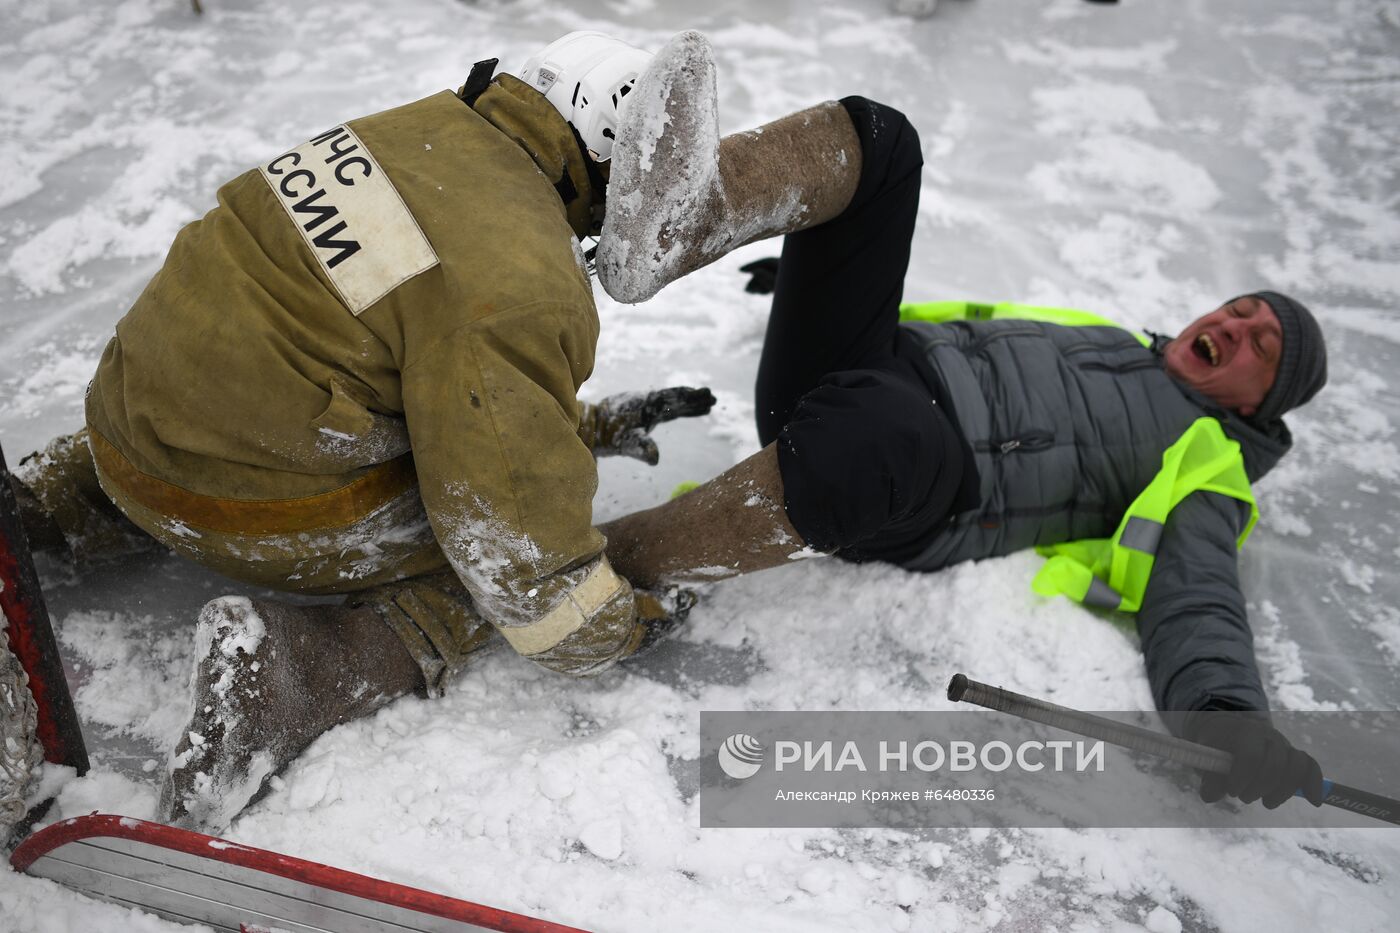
(679, 197)
(733, 524)
(269, 679)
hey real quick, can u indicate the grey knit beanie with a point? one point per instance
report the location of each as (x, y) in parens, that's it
(1302, 366)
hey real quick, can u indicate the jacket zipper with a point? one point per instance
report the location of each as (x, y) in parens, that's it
(1028, 443)
(980, 344)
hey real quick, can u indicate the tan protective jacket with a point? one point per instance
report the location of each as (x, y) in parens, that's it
(409, 281)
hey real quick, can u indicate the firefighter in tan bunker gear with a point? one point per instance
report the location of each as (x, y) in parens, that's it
(402, 322)
(358, 374)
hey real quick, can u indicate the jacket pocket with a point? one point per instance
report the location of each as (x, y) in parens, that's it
(1118, 368)
(349, 434)
(1003, 334)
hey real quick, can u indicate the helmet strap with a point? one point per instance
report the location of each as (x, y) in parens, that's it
(597, 180)
(478, 81)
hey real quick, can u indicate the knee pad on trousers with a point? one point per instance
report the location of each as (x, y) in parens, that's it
(864, 449)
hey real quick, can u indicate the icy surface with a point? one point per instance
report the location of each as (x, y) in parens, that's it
(1144, 160)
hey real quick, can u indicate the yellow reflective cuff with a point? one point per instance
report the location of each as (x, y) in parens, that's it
(1141, 534)
(576, 609)
(1101, 595)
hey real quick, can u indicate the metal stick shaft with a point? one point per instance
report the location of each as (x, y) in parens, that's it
(1202, 757)
(1193, 754)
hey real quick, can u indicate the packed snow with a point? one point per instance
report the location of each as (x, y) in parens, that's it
(1143, 160)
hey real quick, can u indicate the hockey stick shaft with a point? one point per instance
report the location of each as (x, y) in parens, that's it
(1202, 757)
(32, 639)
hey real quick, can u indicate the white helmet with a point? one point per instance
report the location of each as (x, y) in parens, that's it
(587, 76)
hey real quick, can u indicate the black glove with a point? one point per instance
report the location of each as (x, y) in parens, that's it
(1266, 766)
(620, 425)
(764, 276)
(662, 615)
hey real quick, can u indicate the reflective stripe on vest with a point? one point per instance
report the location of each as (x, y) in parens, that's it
(941, 312)
(1112, 573)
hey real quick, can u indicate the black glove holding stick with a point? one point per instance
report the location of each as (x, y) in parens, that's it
(1266, 765)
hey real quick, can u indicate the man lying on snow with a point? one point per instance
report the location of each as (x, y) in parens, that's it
(928, 444)
(357, 374)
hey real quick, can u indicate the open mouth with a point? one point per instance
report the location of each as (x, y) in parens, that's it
(1206, 348)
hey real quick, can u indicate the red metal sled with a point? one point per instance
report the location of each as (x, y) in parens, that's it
(188, 877)
(31, 637)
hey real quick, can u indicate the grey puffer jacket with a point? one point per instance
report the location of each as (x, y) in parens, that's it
(1068, 426)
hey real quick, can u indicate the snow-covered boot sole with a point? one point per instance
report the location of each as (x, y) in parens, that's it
(218, 763)
(269, 680)
(665, 171)
(679, 197)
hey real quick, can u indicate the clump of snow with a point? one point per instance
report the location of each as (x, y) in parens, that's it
(108, 647)
(107, 792)
(603, 838)
(233, 624)
(1161, 920)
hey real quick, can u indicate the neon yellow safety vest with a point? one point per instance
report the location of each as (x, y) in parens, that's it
(1112, 573)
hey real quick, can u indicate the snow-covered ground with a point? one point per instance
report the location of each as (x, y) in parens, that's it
(1145, 160)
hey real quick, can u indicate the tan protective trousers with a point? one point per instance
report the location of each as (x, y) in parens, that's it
(388, 559)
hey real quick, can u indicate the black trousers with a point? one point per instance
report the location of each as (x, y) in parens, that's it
(871, 464)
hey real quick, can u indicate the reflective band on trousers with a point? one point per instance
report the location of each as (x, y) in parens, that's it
(350, 503)
(941, 312)
(579, 606)
(1112, 573)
